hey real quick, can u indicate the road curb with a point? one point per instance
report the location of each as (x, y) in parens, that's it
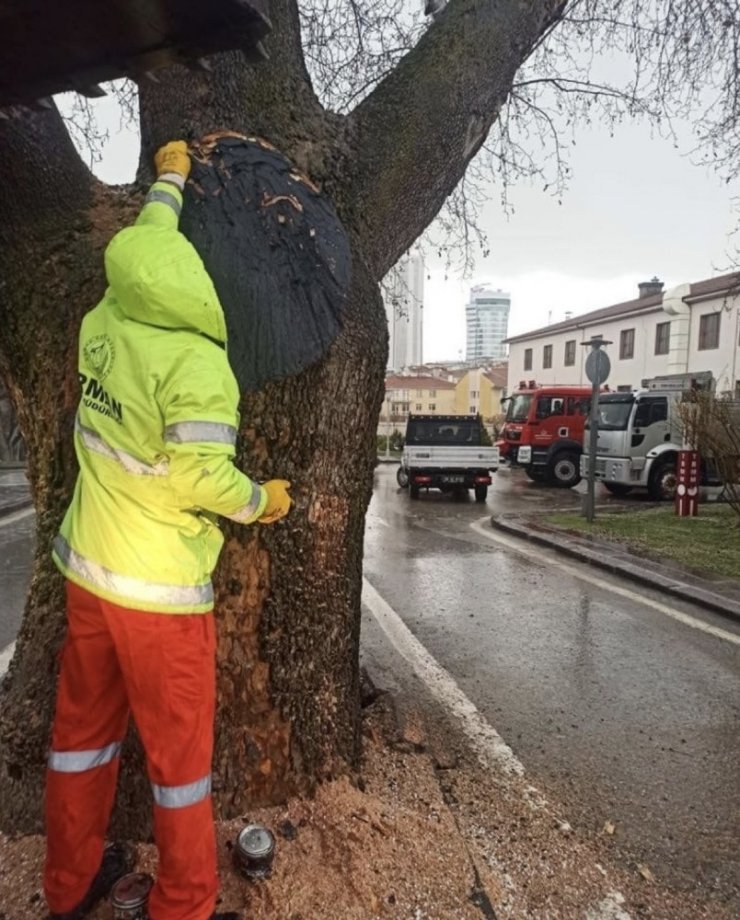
(653, 579)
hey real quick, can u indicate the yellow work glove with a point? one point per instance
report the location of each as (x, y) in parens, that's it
(278, 500)
(173, 158)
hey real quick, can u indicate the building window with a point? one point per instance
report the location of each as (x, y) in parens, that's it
(570, 352)
(662, 338)
(432, 392)
(419, 393)
(418, 407)
(432, 407)
(527, 359)
(547, 356)
(473, 394)
(709, 331)
(473, 410)
(627, 344)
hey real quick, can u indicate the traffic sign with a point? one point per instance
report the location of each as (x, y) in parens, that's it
(598, 366)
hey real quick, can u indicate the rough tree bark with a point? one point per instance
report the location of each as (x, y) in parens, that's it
(288, 598)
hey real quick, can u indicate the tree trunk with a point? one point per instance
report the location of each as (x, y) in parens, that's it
(288, 596)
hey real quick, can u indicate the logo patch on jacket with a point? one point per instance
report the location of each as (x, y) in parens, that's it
(100, 353)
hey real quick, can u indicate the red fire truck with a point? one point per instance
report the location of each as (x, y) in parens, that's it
(543, 431)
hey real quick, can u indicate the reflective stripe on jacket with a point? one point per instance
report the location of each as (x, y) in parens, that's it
(156, 426)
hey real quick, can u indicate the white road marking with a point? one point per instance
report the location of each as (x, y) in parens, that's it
(7, 653)
(17, 516)
(490, 747)
(521, 547)
(5, 656)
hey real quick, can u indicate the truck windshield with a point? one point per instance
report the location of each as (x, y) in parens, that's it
(444, 431)
(614, 412)
(518, 408)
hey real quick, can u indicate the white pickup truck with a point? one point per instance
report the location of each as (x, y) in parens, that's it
(447, 452)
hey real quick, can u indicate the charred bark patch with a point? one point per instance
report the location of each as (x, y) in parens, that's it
(276, 251)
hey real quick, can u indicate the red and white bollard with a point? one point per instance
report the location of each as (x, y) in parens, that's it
(687, 489)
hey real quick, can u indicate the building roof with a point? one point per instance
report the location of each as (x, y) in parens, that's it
(498, 375)
(396, 382)
(699, 289)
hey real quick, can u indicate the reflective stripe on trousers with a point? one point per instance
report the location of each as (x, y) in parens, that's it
(80, 761)
(182, 796)
(160, 668)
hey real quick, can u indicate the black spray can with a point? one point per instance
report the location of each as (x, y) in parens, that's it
(129, 896)
(254, 852)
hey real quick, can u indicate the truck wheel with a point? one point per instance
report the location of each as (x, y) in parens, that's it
(536, 473)
(663, 481)
(565, 470)
(481, 493)
(402, 477)
(617, 488)
(414, 491)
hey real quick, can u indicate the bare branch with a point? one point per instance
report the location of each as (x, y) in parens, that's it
(416, 133)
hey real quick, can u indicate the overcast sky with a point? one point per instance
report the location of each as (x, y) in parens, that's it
(636, 207)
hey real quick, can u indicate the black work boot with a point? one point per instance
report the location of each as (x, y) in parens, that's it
(118, 860)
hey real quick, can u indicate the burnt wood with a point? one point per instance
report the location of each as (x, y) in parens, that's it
(276, 251)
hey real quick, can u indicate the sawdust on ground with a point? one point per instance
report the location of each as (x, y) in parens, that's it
(425, 833)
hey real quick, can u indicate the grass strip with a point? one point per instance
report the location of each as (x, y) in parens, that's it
(708, 542)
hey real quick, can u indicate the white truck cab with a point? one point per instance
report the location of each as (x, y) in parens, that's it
(640, 435)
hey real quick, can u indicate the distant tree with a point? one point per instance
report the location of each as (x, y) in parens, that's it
(485, 437)
(711, 425)
(399, 118)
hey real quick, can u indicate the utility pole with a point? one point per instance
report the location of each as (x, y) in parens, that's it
(388, 430)
(597, 371)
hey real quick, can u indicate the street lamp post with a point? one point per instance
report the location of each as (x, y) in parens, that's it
(388, 430)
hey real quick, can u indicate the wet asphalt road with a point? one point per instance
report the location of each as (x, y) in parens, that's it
(616, 710)
(16, 550)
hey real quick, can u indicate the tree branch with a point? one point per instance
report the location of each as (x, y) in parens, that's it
(43, 176)
(413, 137)
(272, 98)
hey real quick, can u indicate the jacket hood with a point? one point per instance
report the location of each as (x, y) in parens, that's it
(158, 278)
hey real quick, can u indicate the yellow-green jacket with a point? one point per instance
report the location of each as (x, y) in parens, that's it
(156, 426)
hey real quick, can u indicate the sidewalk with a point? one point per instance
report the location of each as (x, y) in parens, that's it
(722, 595)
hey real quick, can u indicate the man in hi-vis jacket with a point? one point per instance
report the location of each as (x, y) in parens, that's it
(154, 436)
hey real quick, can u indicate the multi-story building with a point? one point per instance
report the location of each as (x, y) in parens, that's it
(467, 391)
(404, 308)
(688, 329)
(487, 318)
(420, 395)
(480, 391)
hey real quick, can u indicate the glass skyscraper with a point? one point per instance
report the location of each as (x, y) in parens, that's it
(487, 316)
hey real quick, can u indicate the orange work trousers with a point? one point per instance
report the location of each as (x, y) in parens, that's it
(161, 668)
